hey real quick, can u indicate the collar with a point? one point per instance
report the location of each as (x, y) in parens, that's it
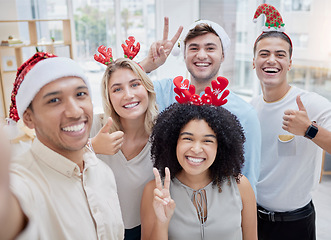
(60, 163)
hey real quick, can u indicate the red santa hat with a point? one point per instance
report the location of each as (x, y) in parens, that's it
(41, 69)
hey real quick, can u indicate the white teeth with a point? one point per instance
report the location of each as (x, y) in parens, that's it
(131, 105)
(75, 128)
(195, 160)
(273, 70)
(202, 64)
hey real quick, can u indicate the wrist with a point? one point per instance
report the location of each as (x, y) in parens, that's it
(311, 130)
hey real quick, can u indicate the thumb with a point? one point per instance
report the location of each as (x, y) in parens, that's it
(300, 104)
(107, 126)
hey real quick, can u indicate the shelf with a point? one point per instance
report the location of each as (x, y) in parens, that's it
(6, 80)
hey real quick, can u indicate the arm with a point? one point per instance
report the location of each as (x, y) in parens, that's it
(248, 214)
(297, 123)
(252, 145)
(12, 218)
(105, 142)
(155, 221)
(160, 50)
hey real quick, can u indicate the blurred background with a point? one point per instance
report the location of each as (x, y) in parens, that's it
(110, 22)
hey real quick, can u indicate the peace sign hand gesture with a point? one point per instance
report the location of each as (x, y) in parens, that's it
(163, 205)
(160, 50)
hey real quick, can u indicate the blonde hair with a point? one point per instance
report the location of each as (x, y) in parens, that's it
(109, 111)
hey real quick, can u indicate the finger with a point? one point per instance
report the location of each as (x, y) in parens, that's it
(107, 126)
(177, 35)
(166, 28)
(163, 201)
(163, 53)
(158, 182)
(118, 135)
(153, 50)
(167, 179)
(300, 104)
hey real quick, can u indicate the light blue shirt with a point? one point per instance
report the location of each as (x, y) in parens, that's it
(246, 114)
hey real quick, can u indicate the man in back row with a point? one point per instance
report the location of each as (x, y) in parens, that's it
(295, 124)
(58, 189)
(205, 46)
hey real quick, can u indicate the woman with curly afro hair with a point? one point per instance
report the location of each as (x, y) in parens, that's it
(205, 196)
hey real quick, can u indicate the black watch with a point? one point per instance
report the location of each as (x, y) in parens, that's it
(311, 131)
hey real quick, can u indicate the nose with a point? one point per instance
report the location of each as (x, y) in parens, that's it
(128, 94)
(196, 148)
(271, 59)
(73, 109)
(201, 54)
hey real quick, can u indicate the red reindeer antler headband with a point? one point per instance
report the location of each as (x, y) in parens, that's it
(106, 56)
(186, 93)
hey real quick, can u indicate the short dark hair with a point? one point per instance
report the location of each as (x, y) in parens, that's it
(199, 30)
(229, 133)
(274, 34)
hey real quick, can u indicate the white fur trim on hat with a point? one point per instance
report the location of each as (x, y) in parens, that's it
(226, 42)
(42, 73)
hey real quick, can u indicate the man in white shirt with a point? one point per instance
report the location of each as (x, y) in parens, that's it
(295, 124)
(58, 189)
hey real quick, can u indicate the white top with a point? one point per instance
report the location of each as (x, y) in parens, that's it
(223, 212)
(131, 177)
(290, 170)
(62, 203)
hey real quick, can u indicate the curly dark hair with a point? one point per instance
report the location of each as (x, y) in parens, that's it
(229, 132)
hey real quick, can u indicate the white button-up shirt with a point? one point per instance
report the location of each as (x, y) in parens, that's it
(63, 203)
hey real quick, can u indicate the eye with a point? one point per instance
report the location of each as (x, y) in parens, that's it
(210, 49)
(81, 94)
(54, 100)
(209, 141)
(136, 84)
(281, 55)
(116, 89)
(193, 49)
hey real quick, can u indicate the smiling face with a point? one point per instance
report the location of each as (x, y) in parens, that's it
(272, 62)
(128, 95)
(203, 57)
(196, 148)
(61, 114)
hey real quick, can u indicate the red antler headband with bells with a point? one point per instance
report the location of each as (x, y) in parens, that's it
(186, 93)
(274, 21)
(106, 56)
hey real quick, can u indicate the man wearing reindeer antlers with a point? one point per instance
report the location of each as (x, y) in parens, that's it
(58, 189)
(295, 125)
(205, 44)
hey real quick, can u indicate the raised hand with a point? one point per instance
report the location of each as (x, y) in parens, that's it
(105, 142)
(296, 121)
(163, 205)
(160, 50)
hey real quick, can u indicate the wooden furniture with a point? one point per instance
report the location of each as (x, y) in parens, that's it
(325, 157)
(7, 77)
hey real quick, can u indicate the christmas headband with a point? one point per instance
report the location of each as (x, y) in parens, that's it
(106, 56)
(41, 69)
(274, 21)
(186, 93)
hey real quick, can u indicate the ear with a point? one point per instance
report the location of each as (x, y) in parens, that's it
(28, 118)
(253, 63)
(222, 60)
(289, 67)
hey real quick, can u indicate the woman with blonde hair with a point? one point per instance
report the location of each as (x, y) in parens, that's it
(121, 135)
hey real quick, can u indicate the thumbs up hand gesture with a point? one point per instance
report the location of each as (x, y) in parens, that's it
(105, 142)
(296, 121)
